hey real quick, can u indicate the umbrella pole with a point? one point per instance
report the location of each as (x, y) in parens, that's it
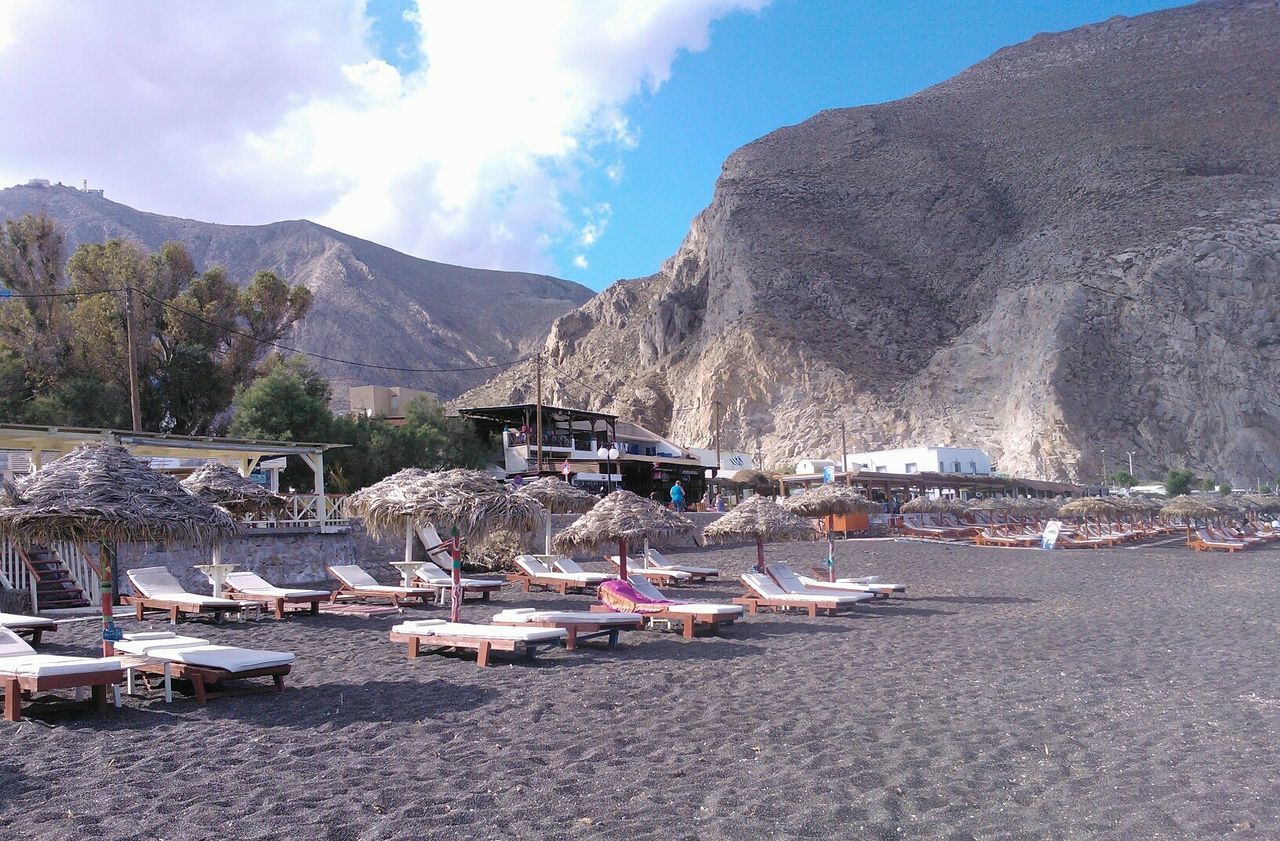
(408, 541)
(106, 562)
(455, 592)
(644, 562)
(831, 556)
(622, 559)
(759, 554)
(546, 543)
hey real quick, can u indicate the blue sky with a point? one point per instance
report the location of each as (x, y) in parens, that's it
(572, 137)
(779, 67)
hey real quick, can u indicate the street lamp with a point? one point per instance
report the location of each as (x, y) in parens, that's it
(1130, 453)
(609, 454)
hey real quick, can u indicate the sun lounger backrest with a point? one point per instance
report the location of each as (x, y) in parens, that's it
(433, 573)
(570, 566)
(353, 576)
(433, 544)
(155, 582)
(246, 581)
(786, 578)
(531, 565)
(645, 587)
(657, 559)
(763, 585)
(12, 645)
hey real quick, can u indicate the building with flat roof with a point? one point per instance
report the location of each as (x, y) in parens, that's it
(380, 401)
(969, 461)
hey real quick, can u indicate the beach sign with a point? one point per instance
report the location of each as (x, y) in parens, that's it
(564, 468)
(1050, 537)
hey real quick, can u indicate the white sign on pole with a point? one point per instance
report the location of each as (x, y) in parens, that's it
(1050, 537)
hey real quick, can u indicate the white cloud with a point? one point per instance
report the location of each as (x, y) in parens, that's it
(251, 112)
(580, 261)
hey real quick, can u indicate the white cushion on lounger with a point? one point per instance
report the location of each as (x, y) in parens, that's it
(571, 567)
(537, 569)
(198, 652)
(19, 620)
(855, 584)
(634, 568)
(657, 559)
(357, 579)
(706, 607)
(585, 616)
(250, 582)
(438, 627)
(764, 586)
(437, 577)
(18, 658)
(792, 583)
(159, 583)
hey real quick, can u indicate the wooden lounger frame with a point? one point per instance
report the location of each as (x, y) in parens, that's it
(34, 630)
(485, 590)
(482, 647)
(280, 604)
(579, 630)
(17, 687)
(350, 593)
(206, 681)
(175, 609)
(755, 603)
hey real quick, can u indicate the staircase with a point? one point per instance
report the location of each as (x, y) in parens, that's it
(56, 589)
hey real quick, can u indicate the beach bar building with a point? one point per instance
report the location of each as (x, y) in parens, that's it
(571, 442)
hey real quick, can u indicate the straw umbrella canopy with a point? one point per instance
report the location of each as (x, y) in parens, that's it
(760, 519)
(756, 481)
(218, 484)
(928, 505)
(468, 503)
(619, 518)
(828, 500)
(1085, 506)
(1189, 508)
(558, 497)
(98, 492)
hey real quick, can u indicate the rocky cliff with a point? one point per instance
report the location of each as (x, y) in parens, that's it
(1068, 251)
(372, 304)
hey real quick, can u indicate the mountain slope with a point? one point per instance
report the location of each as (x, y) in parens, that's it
(372, 304)
(1067, 252)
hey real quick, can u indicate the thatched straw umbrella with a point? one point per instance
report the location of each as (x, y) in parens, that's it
(618, 518)
(928, 505)
(469, 503)
(558, 497)
(98, 492)
(760, 519)
(218, 484)
(756, 481)
(827, 500)
(1189, 508)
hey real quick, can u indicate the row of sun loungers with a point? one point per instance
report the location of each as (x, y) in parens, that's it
(1226, 539)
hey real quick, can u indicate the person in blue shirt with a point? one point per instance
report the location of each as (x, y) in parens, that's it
(677, 497)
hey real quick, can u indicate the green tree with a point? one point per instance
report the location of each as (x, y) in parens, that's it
(290, 402)
(1266, 489)
(1208, 484)
(1178, 482)
(1124, 479)
(1224, 488)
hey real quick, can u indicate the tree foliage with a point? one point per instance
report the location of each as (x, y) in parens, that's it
(1178, 482)
(198, 336)
(290, 402)
(1124, 479)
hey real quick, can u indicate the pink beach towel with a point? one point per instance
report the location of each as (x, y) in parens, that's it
(622, 597)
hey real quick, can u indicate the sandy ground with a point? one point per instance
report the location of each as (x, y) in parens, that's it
(1126, 693)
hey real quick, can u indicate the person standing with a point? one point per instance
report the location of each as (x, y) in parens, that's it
(677, 497)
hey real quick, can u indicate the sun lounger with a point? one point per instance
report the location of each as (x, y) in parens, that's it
(793, 584)
(568, 566)
(155, 588)
(531, 572)
(763, 593)
(663, 577)
(990, 536)
(24, 672)
(699, 574)
(442, 581)
(640, 596)
(438, 635)
(580, 625)
(1203, 541)
(871, 585)
(208, 667)
(20, 623)
(359, 585)
(249, 586)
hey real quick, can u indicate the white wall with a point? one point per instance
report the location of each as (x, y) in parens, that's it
(972, 461)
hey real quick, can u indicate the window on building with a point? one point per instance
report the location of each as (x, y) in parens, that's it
(973, 467)
(955, 467)
(911, 467)
(881, 469)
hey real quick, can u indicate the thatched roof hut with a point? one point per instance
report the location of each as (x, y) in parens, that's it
(471, 501)
(1188, 507)
(99, 492)
(622, 517)
(759, 518)
(218, 484)
(559, 496)
(828, 499)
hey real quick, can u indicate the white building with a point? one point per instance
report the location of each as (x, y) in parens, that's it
(968, 461)
(814, 466)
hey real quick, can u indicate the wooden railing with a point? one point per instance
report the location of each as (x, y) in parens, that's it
(16, 575)
(303, 512)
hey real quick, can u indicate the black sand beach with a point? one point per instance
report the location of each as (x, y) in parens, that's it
(1127, 693)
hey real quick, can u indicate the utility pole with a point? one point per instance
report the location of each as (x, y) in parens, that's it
(844, 456)
(1130, 454)
(1103, 454)
(538, 423)
(135, 405)
(718, 407)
